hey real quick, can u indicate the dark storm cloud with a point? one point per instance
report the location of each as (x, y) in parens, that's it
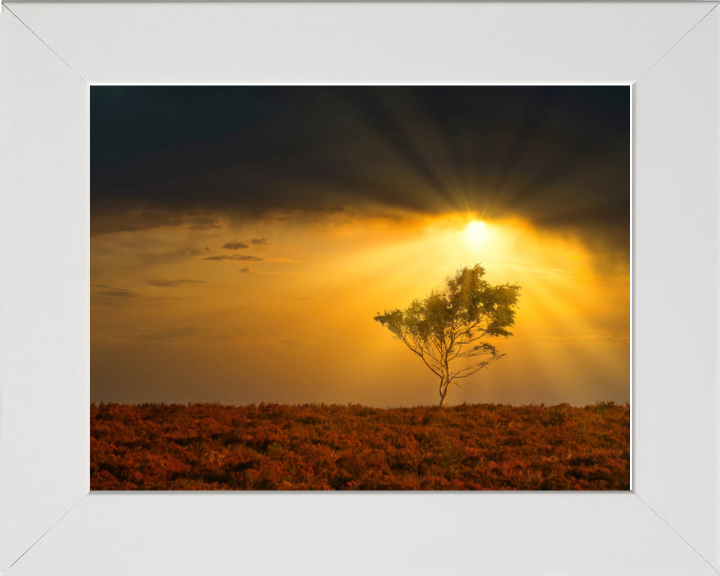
(234, 245)
(558, 156)
(234, 258)
(173, 283)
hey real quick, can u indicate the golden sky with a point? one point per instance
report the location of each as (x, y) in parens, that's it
(178, 318)
(244, 237)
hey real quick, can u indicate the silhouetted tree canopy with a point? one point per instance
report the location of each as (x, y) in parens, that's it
(452, 323)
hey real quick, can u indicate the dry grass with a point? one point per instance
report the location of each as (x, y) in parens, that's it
(332, 447)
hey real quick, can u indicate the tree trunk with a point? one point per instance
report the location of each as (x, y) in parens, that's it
(444, 391)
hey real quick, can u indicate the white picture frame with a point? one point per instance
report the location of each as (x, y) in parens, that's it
(50, 53)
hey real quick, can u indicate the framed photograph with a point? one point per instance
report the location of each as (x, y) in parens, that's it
(312, 287)
(241, 244)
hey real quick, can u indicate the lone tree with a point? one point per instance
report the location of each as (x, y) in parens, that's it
(452, 322)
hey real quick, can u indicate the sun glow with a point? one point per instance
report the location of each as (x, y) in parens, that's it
(477, 233)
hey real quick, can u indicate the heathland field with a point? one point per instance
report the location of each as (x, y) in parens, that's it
(334, 447)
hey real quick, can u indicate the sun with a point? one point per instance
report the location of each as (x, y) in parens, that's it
(477, 233)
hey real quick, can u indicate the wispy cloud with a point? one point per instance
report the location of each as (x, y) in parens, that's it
(130, 217)
(208, 335)
(173, 283)
(188, 252)
(249, 270)
(203, 223)
(169, 335)
(114, 292)
(235, 258)
(293, 342)
(284, 260)
(259, 242)
(234, 245)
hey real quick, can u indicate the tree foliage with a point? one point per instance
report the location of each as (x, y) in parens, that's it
(453, 322)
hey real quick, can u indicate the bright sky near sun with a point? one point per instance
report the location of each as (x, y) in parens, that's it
(179, 318)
